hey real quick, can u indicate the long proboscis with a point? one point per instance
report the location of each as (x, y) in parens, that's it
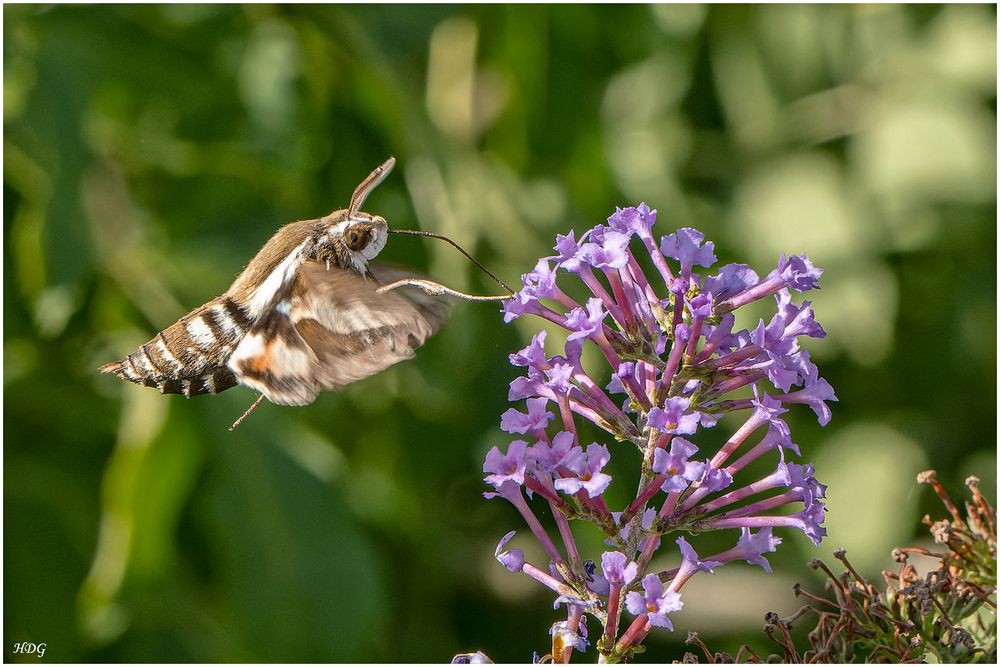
(434, 288)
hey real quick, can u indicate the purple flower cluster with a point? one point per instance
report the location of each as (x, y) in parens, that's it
(676, 367)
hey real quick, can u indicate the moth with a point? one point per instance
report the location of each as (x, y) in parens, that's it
(309, 313)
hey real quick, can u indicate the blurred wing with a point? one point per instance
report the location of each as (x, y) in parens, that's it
(331, 328)
(433, 308)
(356, 332)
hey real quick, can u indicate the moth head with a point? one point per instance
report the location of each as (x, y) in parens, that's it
(363, 236)
(350, 237)
(350, 241)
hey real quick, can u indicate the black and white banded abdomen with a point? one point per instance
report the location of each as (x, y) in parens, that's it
(190, 356)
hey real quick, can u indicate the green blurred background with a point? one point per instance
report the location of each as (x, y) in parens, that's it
(150, 150)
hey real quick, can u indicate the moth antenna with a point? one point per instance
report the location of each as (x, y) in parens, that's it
(437, 289)
(461, 250)
(247, 413)
(366, 186)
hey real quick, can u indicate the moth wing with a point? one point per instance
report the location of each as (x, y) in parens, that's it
(434, 308)
(273, 358)
(328, 328)
(353, 331)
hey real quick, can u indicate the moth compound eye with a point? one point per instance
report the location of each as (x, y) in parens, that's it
(356, 238)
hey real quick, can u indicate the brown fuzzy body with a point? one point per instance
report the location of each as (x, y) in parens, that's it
(177, 361)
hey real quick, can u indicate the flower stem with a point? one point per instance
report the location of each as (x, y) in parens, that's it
(567, 536)
(536, 527)
(572, 623)
(673, 363)
(626, 304)
(639, 503)
(758, 291)
(591, 281)
(635, 633)
(648, 549)
(546, 579)
(748, 427)
(614, 611)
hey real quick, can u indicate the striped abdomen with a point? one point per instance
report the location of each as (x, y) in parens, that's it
(190, 356)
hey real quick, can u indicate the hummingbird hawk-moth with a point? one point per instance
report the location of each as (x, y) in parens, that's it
(309, 313)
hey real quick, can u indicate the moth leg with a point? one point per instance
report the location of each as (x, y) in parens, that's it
(437, 289)
(247, 413)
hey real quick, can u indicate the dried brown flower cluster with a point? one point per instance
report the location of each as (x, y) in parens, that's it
(947, 615)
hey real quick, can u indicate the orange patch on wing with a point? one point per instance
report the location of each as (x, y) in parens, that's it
(260, 363)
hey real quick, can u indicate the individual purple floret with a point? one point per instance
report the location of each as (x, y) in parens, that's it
(654, 602)
(678, 358)
(586, 471)
(751, 547)
(512, 560)
(535, 421)
(618, 570)
(675, 464)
